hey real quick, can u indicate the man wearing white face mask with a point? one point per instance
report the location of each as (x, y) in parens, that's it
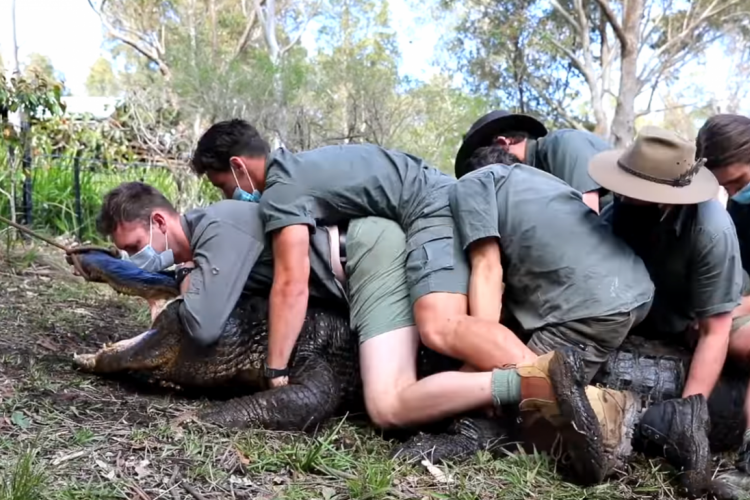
(149, 259)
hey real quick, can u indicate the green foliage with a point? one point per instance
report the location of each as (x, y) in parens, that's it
(53, 192)
(36, 95)
(102, 80)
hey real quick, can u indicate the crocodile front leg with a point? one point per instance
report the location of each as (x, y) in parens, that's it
(312, 396)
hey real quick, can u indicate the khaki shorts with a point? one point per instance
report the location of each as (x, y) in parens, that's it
(740, 321)
(594, 338)
(376, 277)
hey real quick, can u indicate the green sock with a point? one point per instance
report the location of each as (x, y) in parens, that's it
(506, 387)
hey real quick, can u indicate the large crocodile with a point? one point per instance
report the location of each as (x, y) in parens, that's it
(325, 371)
(325, 379)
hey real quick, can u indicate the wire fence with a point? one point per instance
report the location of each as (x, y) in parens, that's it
(61, 194)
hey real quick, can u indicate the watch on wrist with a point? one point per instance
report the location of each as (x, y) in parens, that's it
(270, 373)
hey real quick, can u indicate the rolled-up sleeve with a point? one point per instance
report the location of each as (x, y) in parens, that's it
(473, 201)
(717, 268)
(285, 205)
(223, 258)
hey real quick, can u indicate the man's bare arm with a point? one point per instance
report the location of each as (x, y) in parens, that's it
(709, 356)
(486, 282)
(289, 292)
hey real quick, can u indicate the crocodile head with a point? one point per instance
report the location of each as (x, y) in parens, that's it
(126, 277)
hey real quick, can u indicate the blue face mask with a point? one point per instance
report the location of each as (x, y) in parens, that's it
(242, 195)
(742, 196)
(149, 259)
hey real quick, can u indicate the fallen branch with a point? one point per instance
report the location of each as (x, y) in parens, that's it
(193, 491)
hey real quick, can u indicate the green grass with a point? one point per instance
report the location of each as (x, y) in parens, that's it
(25, 479)
(67, 435)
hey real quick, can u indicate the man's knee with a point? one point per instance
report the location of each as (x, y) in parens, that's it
(438, 316)
(593, 353)
(384, 412)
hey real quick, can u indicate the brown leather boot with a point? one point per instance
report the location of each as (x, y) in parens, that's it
(618, 413)
(552, 388)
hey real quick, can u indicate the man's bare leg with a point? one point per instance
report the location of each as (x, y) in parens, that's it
(395, 398)
(446, 327)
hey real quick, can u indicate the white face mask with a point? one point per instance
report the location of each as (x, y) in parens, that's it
(149, 259)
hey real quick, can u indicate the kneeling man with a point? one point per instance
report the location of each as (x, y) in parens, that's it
(568, 280)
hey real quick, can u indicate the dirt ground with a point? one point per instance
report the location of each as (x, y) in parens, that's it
(68, 435)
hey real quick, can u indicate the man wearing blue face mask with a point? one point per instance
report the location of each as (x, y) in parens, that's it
(239, 193)
(724, 140)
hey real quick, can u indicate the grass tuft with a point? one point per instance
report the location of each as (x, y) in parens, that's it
(24, 479)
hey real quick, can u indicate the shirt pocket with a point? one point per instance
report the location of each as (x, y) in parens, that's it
(429, 250)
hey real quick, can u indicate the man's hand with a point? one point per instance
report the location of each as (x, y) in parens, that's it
(278, 382)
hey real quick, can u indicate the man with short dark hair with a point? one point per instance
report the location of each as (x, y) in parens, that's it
(724, 141)
(564, 153)
(335, 184)
(665, 209)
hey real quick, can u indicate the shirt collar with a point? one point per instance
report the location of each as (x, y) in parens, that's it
(532, 145)
(682, 217)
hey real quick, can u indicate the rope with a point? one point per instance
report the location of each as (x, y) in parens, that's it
(72, 254)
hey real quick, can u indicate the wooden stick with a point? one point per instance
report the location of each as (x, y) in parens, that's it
(34, 234)
(193, 491)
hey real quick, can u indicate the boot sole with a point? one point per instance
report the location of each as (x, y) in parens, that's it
(586, 445)
(695, 477)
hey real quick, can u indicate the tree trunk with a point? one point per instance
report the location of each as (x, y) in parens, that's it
(623, 124)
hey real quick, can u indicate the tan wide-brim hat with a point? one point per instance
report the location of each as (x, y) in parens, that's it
(659, 167)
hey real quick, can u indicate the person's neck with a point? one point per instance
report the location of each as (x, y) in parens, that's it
(257, 173)
(178, 241)
(519, 150)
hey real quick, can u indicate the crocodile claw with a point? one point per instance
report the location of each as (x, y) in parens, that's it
(84, 361)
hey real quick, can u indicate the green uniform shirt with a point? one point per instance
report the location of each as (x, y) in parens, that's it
(692, 255)
(566, 154)
(231, 255)
(333, 184)
(560, 261)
